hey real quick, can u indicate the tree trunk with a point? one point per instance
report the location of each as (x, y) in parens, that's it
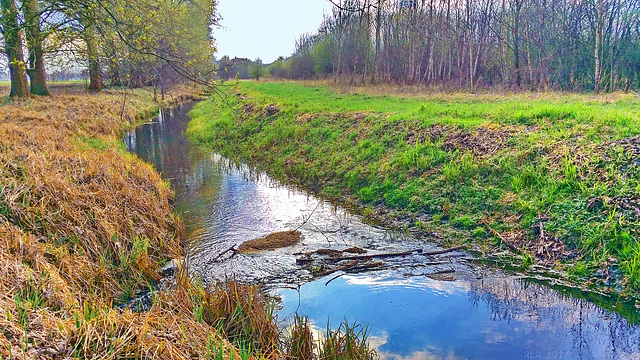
(13, 48)
(516, 46)
(36, 70)
(597, 78)
(378, 60)
(95, 78)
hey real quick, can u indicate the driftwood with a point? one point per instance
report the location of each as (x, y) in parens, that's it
(351, 268)
(386, 255)
(442, 272)
(355, 269)
(333, 278)
(442, 275)
(363, 257)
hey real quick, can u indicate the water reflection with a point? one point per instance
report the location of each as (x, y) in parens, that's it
(489, 318)
(482, 313)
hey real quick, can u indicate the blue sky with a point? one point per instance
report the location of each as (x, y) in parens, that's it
(266, 28)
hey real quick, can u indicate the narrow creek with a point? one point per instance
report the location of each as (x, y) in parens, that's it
(467, 311)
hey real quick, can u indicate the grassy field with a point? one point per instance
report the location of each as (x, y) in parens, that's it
(551, 177)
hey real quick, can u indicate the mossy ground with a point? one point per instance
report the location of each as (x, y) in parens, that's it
(552, 177)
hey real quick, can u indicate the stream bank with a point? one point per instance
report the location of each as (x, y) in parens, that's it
(83, 226)
(549, 180)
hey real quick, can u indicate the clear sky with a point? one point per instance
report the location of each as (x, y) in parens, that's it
(266, 28)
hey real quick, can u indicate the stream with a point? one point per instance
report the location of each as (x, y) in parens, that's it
(445, 306)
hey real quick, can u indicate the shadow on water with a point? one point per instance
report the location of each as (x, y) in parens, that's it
(478, 312)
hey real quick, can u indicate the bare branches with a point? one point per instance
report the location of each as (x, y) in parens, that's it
(455, 44)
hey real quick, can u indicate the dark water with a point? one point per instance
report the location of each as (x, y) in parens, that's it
(476, 313)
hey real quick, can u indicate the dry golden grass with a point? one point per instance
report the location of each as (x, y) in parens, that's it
(46, 317)
(83, 225)
(101, 203)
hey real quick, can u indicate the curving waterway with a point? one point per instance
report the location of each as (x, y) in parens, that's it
(472, 312)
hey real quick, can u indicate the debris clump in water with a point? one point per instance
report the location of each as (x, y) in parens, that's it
(272, 241)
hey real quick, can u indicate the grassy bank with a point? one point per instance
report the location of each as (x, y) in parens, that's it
(551, 177)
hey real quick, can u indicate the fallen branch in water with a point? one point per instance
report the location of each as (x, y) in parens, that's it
(441, 272)
(215, 259)
(353, 269)
(333, 278)
(349, 265)
(363, 257)
(386, 255)
(356, 269)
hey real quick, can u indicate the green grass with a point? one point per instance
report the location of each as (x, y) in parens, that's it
(490, 170)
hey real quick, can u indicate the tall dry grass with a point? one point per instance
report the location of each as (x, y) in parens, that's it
(84, 225)
(82, 228)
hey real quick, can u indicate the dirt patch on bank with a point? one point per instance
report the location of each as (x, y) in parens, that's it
(487, 139)
(271, 242)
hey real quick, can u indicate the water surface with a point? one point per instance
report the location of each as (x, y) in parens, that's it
(477, 312)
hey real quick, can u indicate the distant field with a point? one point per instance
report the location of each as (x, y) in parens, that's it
(56, 87)
(553, 177)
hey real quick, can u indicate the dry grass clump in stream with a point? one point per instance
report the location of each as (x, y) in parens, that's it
(272, 241)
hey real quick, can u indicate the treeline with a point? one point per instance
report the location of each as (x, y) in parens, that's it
(121, 42)
(521, 44)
